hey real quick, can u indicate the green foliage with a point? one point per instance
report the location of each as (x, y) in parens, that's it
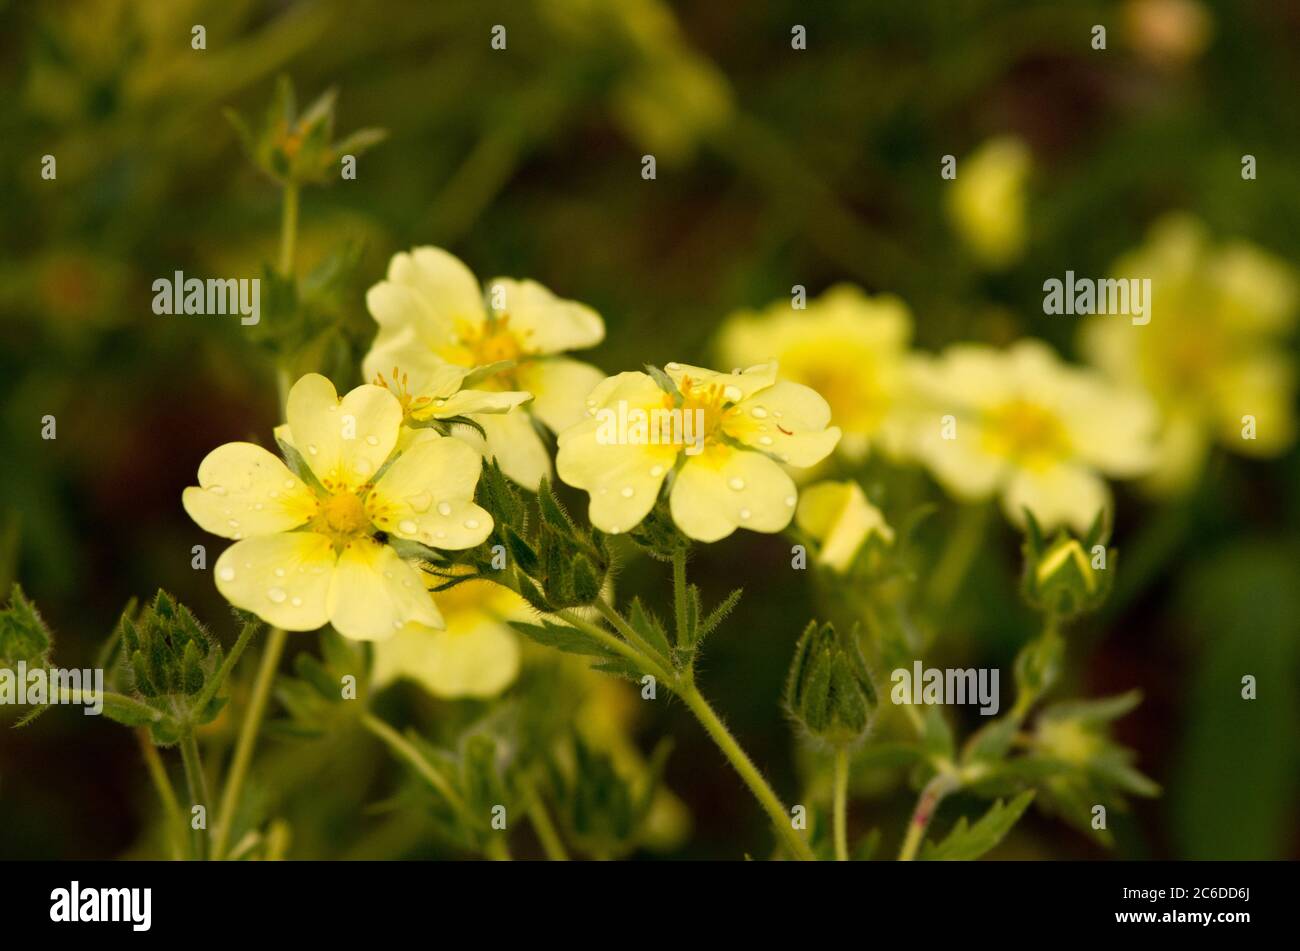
(969, 841)
(829, 691)
(24, 639)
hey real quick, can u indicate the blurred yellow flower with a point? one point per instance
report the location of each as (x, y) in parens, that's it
(431, 313)
(475, 655)
(1022, 425)
(987, 200)
(838, 516)
(847, 346)
(311, 551)
(1212, 354)
(729, 477)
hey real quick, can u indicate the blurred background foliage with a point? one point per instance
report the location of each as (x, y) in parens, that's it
(775, 167)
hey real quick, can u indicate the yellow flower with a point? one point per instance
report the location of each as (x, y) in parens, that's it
(722, 445)
(431, 313)
(1212, 353)
(838, 516)
(847, 346)
(476, 655)
(987, 200)
(1021, 424)
(308, 553)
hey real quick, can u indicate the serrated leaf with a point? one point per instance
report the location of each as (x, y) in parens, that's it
(967, 842)
(564, 638)
(648, 626)
(718, 614)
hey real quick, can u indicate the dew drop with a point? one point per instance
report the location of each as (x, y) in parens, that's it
(745, 513)
(656, 471)
(408, 526)
(226, 574)
(421, 501)
(628, 492)
(288, 483)
(471, 523)
(217, 489)
(279, 572)
(312, 449)
(758, 412)
(233, 523)
(789, 500)
(277, 595)
(258, 507)
(732, 393)
(444, 508)
(737, 484)
(296, 602)
(765, 440)
(372, 440)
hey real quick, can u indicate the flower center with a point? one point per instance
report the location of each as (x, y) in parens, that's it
(1026, 432)
(706, 403)
(344, 514)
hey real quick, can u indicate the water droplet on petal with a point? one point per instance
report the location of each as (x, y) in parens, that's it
(279, 572)
(226, 574)
(471, 523)
(614, 529)
(444, 508)
(288, 483)
(745, 513)
(737, 484)
(217, 489)
(277, 595)
(408, 526)
(233, 523)
(628, 492)
(312, 449)
(656, 471)
(372, 440)
(397, 625)
(789, 500)
(765, 440)
(420, 501)
(296, 602)
(758, 412)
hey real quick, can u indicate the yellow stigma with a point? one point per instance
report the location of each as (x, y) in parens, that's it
(491, 342)
(344, 514)
(710, 399)
(1027, 433)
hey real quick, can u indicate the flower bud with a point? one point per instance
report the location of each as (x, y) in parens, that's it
(830, 692)
(839, 518)
(1067, 576)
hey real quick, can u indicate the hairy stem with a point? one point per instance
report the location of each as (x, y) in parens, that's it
(198, 787)
(679, 594)
(841, 807)
(166, 792)
(247, 739)
(409, 753)
(743, 765)
(926, 804)
(547, 834)
(288, 228)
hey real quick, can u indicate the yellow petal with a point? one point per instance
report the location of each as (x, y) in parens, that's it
(427, 494)
(623, 479)
(467, 402)
(375, 593)
(787, 420)
(838, 515)
(422, 373)
(344, 441)
(244, 491)
(543, 322)
(560, 388)
(284, 579)
(477, 660)
(430, 290)
(1063, 495)
(514, 443)
(723, 489)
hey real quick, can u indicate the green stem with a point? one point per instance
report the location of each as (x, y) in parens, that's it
(288, 228)
(615, 644)
(210, 689)
(247, 739)
(926, 804)
(547, 834)
(166, 792)
(497, 849)
(841, 807)
(616, 621)
(748, 771)
(407, 751)
(198, 786)
(679, 594)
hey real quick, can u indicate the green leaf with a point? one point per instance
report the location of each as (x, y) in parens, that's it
(648, 626)
(717, 615)
(968, 842)
(23, 635)
(564, 638)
